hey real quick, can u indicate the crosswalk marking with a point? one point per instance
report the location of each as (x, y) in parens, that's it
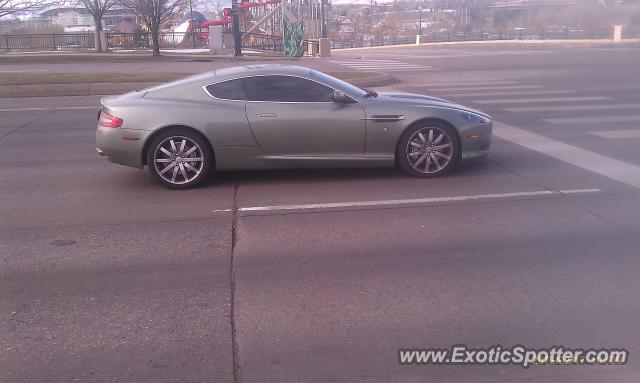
(571, 108)
(511, 93)
(450, 84)
(391, 66)
(594, 162)
(615, 134)
(358, 61)
(462, 53)
(499, 87)
(541, 99)
(381, 65)
(592, 120)
(357, 65)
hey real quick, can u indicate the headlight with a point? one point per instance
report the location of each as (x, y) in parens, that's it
(475, 118)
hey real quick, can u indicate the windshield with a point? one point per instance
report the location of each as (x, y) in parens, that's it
(339, 84)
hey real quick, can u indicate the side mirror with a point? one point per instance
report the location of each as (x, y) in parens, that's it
(340, 97)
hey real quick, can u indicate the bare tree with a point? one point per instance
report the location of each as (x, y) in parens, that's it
(97, 8)
(154, 13)
(9, 7)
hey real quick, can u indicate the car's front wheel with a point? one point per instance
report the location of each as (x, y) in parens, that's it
(179, 158)
(429, 149)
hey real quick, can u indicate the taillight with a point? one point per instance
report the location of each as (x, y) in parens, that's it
(109, 121)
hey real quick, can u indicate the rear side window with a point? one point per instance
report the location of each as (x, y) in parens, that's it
(277, 88)
(227, 90)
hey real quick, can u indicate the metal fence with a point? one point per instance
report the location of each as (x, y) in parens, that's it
(359, 43)
(142, 40)
(47, 42)
(437, 37)
(270, 43)
(86, 41)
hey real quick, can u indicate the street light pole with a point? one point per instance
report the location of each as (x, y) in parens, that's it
(420, 19)
(235, 28)
(191, 24)
(323, 23)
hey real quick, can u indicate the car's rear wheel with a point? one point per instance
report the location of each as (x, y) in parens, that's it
(179, 158)
(429, 149)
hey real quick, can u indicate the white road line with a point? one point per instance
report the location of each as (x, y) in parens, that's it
(594, 162)
(362, 60)
(367, 63)
(49, 108)
(429, 56)
(399, 202)
(395, 66)
(451, 84)
(615, 134)
(592, 120)
(370, 62)
(22, 71)
(472, 88)
(388, 68)
(381, 65)
(572, 108)
(514, 93)
(406, 69)
(541, 99)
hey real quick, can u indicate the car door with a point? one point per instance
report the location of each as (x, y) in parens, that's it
(295, 116)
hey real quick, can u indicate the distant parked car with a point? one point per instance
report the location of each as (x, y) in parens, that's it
(273, 116)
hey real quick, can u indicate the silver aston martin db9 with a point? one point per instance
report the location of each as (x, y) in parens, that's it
(281, 116)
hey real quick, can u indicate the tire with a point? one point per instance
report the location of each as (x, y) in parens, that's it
(428, 149)
(179, 158)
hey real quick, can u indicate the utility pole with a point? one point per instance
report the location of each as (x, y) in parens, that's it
(420, 19)
(235, 28)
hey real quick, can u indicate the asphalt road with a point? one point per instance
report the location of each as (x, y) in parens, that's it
(108, 277)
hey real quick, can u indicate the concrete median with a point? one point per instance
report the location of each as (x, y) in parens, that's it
(101, 88)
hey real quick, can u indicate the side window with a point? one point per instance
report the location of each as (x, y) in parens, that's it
(285, 89)
(227, 90)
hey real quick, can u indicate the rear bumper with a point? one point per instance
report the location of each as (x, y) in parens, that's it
(121, 146)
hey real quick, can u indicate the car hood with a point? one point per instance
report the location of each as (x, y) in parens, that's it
(420, 99)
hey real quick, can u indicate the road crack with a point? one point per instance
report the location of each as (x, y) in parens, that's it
(234, 238)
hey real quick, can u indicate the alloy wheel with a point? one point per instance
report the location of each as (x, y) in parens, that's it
(429, 150)
(178, 160)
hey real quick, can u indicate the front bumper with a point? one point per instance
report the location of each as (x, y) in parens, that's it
(122, 146)
(476, 140)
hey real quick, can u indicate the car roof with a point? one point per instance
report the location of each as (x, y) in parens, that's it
(261, 69)
(176, 89)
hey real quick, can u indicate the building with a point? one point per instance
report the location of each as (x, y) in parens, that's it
(78, 18)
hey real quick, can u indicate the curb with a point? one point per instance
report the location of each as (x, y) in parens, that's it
(23, 58)
(105, 89)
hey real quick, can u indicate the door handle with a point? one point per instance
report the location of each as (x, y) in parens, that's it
(266, 115)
